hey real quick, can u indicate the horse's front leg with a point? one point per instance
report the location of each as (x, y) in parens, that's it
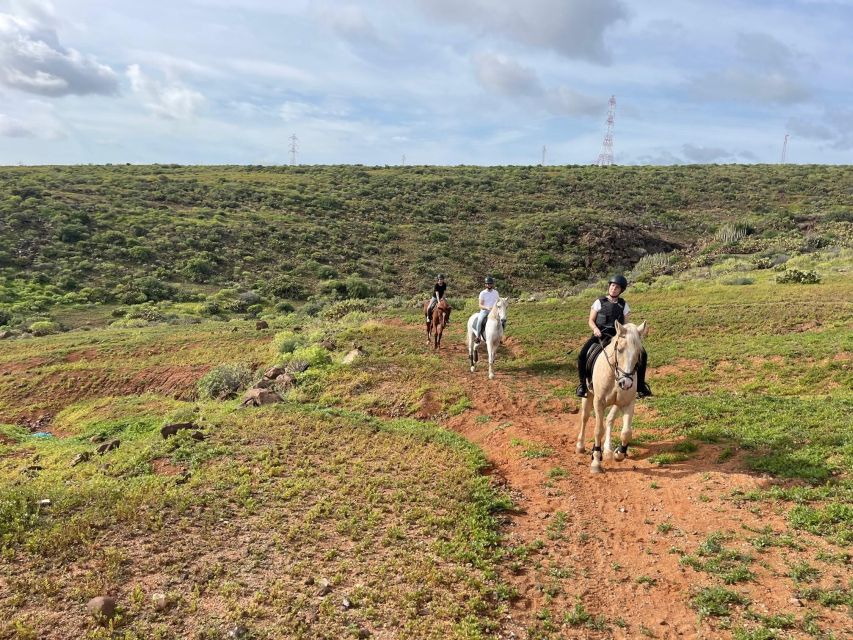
(608, 431)
(622, 450)
(472, 351)
(596, 467)
(586, 404)
(491, 351)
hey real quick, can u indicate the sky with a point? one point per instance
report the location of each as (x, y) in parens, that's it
(446, 82)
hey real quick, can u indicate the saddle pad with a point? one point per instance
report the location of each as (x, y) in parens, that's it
(593, 353)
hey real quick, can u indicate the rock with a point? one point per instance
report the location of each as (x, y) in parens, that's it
(237, 632)
(263, 383)
(5, 334)
(796, 602)
(350, 357)
(309, 581)
(325, 587)
(363, 633)
(258, 397)
(297, 366)
(44, 503)
(108, 446)
(345, 604)
(183, 478)
(273, 372)
(234, 329)
(160, 602)
(97, 438)
(285, 380)
(80, 458)
(198, 436)
(102, 607)
(260, 325)
(171, 429)
(329, 345)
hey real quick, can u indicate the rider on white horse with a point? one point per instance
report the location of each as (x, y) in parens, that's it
(603, 314)
(488, 298)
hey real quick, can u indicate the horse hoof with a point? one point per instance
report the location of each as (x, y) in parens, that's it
(608, 455)
(491, 376)
(618, 456)
(579, 448)
(472, 369)
(596, 469)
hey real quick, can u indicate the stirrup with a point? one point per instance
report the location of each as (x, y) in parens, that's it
(644, 392)
(581, 391)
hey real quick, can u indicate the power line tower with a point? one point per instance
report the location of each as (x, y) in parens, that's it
(784, 150)
(543, 155)
(294, 148)
(605, 158)
(403, 160)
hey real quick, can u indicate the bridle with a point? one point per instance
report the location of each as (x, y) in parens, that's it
(623, 378)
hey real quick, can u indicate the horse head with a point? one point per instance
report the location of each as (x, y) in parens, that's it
(500, 309)
(628, 345)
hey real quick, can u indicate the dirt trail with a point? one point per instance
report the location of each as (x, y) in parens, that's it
(603, 545)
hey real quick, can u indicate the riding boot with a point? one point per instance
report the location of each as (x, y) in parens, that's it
(643, 389)
(582, 390)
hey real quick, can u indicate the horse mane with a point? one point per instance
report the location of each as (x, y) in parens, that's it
(494, 310)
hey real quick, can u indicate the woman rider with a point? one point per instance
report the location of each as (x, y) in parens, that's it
(603, 314)
(487, 299)
(437, 294)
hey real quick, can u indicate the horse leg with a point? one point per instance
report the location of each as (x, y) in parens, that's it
(625, 437)
(608, 430)
(586, 404)
(472, 351)
(596, 467)
(491, 350)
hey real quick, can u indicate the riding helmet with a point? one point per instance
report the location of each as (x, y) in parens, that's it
(619, 279)
(489, 280)
(440, 276)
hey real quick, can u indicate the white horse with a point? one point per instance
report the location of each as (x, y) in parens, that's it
(494, 332)
(614, 383)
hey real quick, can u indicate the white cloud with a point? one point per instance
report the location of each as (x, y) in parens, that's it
(571, 28)
(766, 71)
(33, 60)
(835, 130)
(504, 76)
(704, 155)
(171, 99)
(14, 128)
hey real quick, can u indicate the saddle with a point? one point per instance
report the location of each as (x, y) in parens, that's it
(591, 356)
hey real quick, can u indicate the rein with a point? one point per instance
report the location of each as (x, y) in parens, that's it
(618, 373)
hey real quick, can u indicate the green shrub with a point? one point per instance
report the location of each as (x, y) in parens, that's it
(313, 355)
(43, 328)
(224, 381)
(286, 342)
(129, 323)
(342, 308)
(796, 276)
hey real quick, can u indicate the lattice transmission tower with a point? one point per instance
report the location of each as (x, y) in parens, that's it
(605, 158)
(294, 148)
(784, 150)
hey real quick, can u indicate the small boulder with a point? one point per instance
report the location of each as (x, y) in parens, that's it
(285, 380)
(160, 601)
(198, 436)
(108, 446)
(258, 397)
(237, 632)
(264, 383)
(273, 372)
(102, 607)
(5, 334)
(80, 458)
(352, 356)
(171, 429)
(97, 438)
(324, 587)
(260, 325)
(297, 366)
(328, 345)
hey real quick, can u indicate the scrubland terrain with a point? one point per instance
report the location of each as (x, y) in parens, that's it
(393, 494)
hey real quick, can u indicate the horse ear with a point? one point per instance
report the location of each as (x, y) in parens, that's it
(620, 328)
(643, 329)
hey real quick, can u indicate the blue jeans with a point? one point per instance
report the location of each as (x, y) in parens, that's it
(480, 325)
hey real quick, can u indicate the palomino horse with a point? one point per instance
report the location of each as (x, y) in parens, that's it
(495, 322)
(614, 383)
(437, 321)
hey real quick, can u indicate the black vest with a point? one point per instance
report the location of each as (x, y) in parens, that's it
(610, 313)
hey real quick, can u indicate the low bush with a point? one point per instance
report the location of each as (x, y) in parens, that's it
(44, 328)
(224, 381)
(796, 276)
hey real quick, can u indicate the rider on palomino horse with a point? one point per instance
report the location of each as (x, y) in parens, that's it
(437, 294)
(603, 315)
(488, 297)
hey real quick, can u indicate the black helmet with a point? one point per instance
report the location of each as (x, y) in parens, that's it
(489, 280)
(619, 279)
(440, 276)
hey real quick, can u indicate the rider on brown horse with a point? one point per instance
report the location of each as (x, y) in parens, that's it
(437, 294)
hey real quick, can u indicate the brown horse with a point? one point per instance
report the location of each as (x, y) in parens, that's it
(437, 321)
